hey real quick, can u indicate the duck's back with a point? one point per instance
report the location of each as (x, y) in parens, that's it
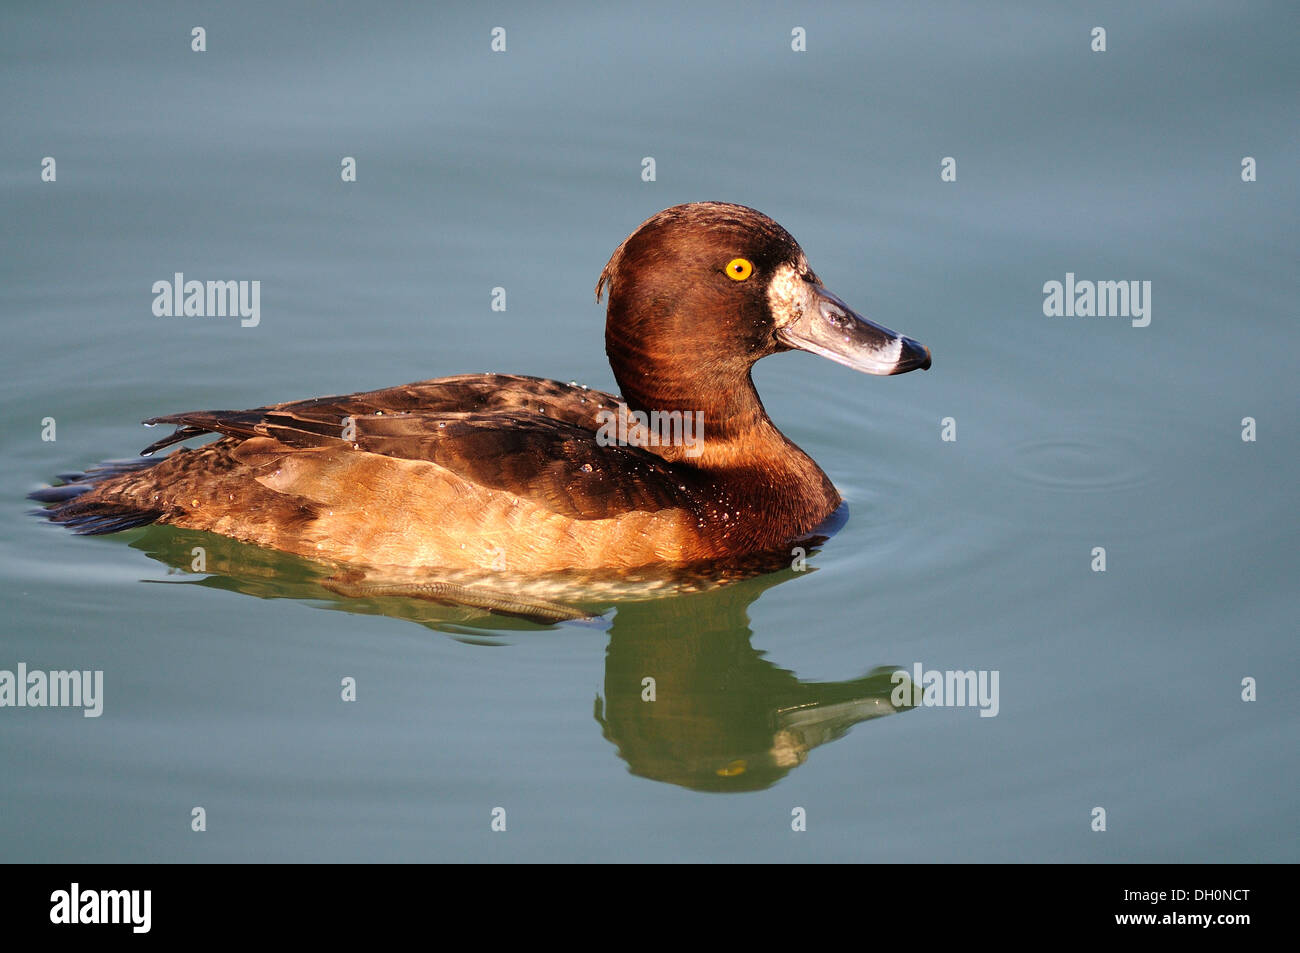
(477, 471)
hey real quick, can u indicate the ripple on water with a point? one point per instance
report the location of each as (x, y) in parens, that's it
(1089, 461)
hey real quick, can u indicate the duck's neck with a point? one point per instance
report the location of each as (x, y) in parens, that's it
(722, 400)
(766, 485)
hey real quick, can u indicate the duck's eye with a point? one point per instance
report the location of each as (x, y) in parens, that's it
(738, 269)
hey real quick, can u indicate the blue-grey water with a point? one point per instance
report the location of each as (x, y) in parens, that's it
(522, 169)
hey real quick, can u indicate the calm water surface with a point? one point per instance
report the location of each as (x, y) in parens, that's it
(1119, 689)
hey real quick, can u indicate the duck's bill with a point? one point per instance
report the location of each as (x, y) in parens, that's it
(823, 324)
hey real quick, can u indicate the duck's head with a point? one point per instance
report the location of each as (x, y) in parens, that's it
(700, 292)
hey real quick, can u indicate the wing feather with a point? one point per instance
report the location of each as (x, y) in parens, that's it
(528, 436)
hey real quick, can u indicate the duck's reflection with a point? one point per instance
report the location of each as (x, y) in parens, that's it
(690, 701)
(687, 700)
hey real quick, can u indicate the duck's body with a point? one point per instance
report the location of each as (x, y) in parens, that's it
(518, 474)
(474, 472)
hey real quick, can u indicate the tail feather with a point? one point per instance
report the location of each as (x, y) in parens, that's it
(59, 494)
(94, 517)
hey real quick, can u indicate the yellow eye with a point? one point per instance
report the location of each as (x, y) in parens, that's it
(738, 269)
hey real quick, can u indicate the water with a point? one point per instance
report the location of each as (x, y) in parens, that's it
(1119, 689)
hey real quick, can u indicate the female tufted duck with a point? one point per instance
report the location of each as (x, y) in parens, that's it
(501, 472)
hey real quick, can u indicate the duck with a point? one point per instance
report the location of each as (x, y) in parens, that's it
(518, 474)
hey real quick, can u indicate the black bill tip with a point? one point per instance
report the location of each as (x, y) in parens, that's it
(913, 356)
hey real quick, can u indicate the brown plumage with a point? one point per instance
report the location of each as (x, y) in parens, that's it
(509, 473)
